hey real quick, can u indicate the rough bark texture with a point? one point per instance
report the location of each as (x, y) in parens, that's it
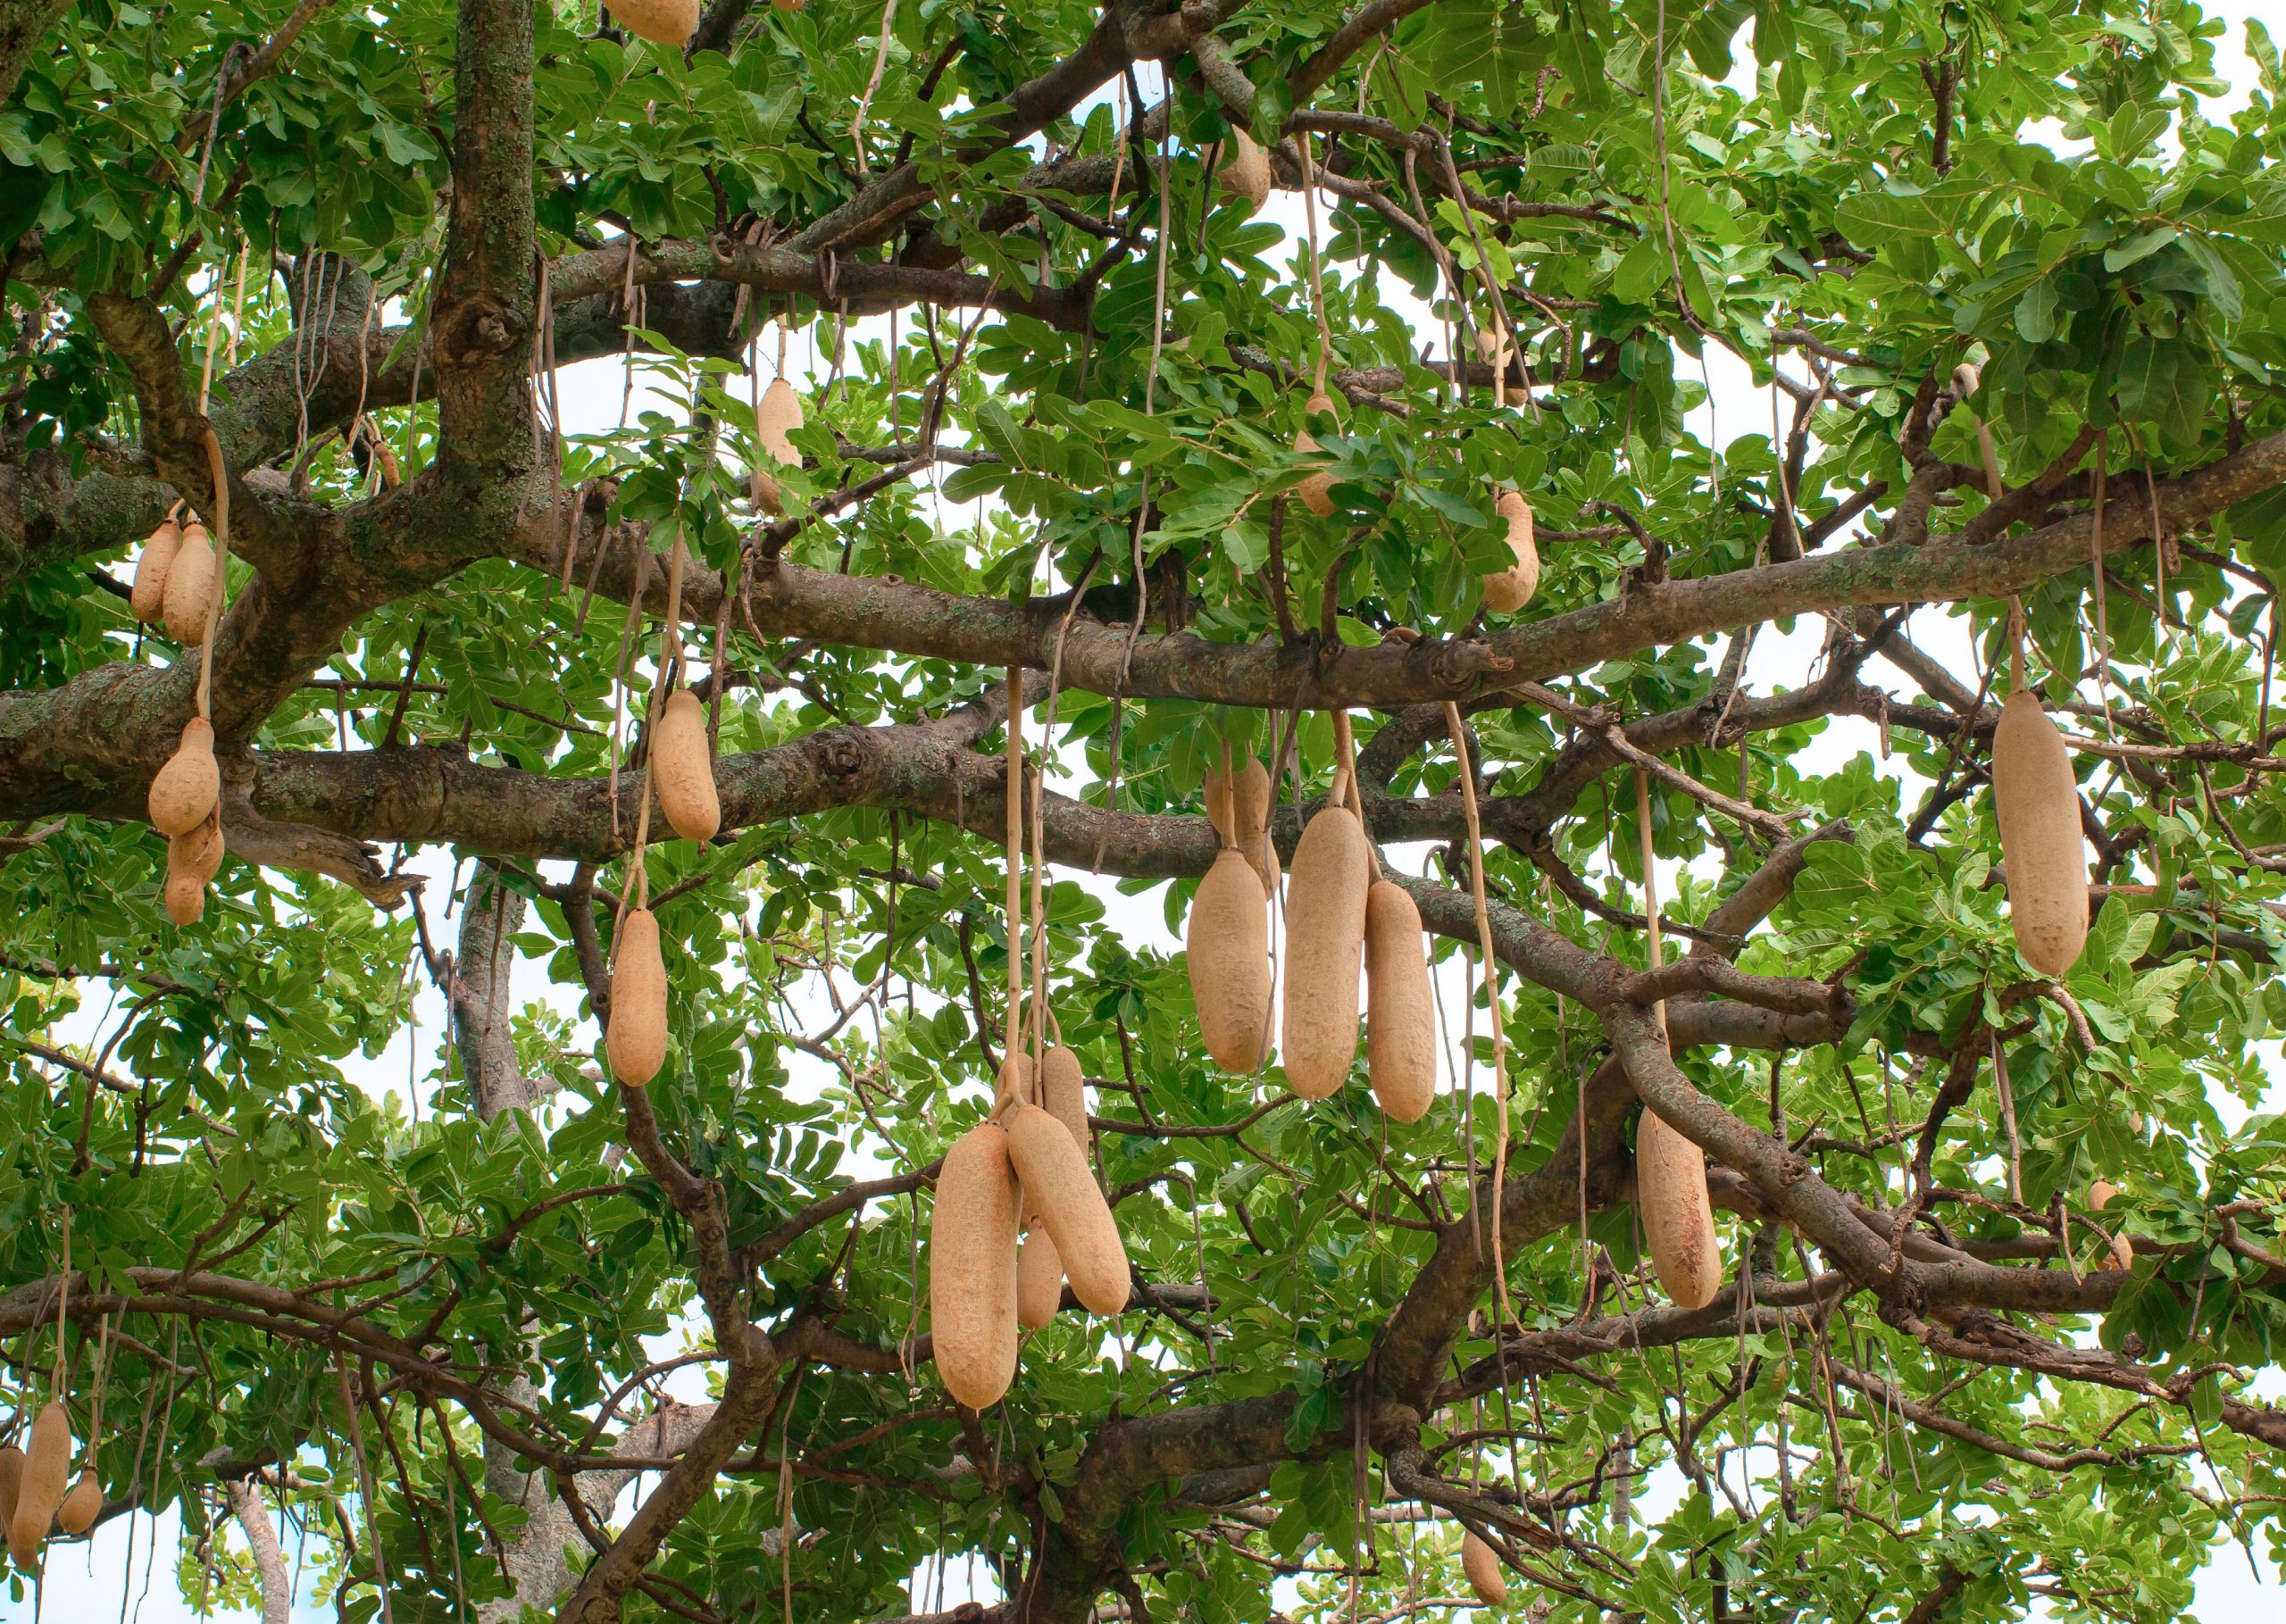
(483, 1010)
(23, 23)
(537, 1561)
(87, 741)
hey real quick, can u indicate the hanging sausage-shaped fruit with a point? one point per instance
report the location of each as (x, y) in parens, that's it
(973, 1268)
(2036, 799)
(1505, 591)
(1325, 944)
(636, 1040)
(1400, 1010)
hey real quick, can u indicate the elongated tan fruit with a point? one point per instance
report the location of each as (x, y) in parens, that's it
(148, 596)
(1055, 1173)
(1678, 1220)
(1216, 794)
(190, 582)
(1249, 800)
(761, 489)
(199, 853)
(1400, 1017)
(1317, 490)
(680, 769)
(12, 1484)
(48, 1469)
(780, 411)
(185, 896)
(192, 861)
(1039, 1279)
(82, 1505)
(2038, 804)
(2101, 1194)
(1226, 946)
(1511, 588)
(777, 417)
(1246, 172)
(1482, 1563)
(637, 1038)
(973, 1268)
(1325, 938)
(667, 22)
(185, 790)
(1250, 809)
(1063, 1090)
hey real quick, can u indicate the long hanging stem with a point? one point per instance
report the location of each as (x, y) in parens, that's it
(365, 1486)
(103, 1378)
(62, 1312)
(214, 322)
(1317, 280)
(1650, 889)
(1036, 917)
(221, 476)
(637, 892)
(1015, 859)
(1491, 1002)
(2096, 568)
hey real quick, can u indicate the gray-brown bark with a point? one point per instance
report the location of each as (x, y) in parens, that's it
(477, 983)
(23, 24)
(261, 1539)
(537, 1563)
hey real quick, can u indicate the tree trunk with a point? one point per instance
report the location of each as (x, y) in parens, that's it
(23, 23)
(269, 1560)
(537, 1565)
(483, 1014)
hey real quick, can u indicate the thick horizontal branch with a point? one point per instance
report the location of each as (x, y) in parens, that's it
(905, 617)
(870, 286)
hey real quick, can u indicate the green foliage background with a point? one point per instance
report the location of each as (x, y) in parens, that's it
(2111, 257)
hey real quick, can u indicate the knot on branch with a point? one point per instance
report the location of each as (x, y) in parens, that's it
(1396, 1426)
(1457, 665)
(475, 329)
(842, 756)
(1155, 38)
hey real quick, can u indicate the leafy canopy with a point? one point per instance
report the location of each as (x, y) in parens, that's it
(544, 1342)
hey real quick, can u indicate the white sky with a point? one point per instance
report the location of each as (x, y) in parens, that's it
(91, 1582)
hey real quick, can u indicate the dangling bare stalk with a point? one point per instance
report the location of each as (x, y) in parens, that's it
(221, 476)
(637, 892)
(1150, 409)
(366, 1487)
(872, 88)
(1650, 890)
(2096, 568)
(1015, 862)
(1042, 1016)
(1317, 280)
(62, 1309)
(213, 322)
(1492, 1004)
